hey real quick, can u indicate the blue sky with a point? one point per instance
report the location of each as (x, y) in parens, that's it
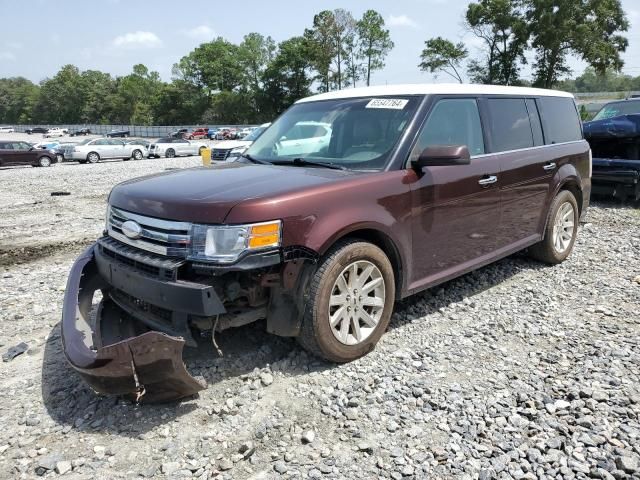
(39, 36)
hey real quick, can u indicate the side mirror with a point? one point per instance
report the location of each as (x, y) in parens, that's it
(442, 156)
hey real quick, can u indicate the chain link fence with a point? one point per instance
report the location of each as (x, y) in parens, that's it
(148, 131)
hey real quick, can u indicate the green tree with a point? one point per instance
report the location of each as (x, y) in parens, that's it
(374, 42)
(321, 46)
(61, 97)
(215, 66)
(256, 52)
(587, 28)
(288, 78)
(441, 55)
(502, 27)
(17, 98)
(344, 36)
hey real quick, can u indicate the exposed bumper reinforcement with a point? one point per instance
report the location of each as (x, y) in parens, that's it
(147, 367)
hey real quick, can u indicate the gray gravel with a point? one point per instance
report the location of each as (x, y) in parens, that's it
(517, 370)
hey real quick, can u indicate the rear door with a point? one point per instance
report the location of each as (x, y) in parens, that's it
(525, 169)
(6, 153)
(117, 149)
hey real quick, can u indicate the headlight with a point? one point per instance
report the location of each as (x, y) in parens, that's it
(235, 153)
(226, 244)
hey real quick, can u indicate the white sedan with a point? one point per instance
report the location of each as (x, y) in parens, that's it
(7, 129)
(55, 132)
(175, 147)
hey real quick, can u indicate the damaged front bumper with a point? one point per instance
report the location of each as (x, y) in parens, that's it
(109, 352)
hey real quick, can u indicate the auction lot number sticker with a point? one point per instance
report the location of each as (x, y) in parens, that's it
(390, 103)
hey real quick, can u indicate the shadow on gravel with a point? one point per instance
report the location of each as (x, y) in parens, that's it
(72, 404)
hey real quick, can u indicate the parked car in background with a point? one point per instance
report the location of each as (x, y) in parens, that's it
(230, 150)
(212, 132)
(418, 185)
(198, 134)
(7, 129)
(138, 141)
(94, 150)
(180, 133)
(60, 148)
(118, 133)
(36, 130)
(175, 147)
(244, 132)
(223, 134)
(81, 131)
(23, 153)
(614, 136)
(55, 132)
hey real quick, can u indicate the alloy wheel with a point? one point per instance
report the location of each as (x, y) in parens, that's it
(357, 302)
(563, 227)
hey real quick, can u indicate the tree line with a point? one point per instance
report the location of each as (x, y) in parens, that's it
(220, 82)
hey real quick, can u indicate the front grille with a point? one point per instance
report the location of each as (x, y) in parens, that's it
(220, 154)
(163, 237)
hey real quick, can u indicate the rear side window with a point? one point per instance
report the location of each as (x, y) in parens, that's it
(453, 122)
(560, 120)
(509, 124)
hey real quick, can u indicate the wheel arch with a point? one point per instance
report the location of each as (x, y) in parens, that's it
(378, 237)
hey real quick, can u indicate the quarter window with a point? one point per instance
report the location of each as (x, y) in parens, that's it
(510, 125)
(560, 120)
(453, 122)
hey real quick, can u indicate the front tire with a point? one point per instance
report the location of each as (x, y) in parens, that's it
(351, 299)
(170, 153)
(561, 230)
(44, 161)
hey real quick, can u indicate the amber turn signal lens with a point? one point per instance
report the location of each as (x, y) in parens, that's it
(265, 235)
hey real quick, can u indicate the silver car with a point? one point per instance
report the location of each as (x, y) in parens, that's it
(96, 149)
(175, 147)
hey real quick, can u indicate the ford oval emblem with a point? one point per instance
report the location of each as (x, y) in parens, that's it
(131, 229)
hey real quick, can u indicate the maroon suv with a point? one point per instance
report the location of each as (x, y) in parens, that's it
(14, 152)
(350, 201)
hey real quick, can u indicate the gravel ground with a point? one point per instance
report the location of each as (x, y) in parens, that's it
(517, 370)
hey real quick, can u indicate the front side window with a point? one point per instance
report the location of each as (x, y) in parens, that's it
(509, 124)
(453, 122)
(354, 133)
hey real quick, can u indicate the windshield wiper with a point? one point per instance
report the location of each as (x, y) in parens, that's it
(302, 162)
(255, 160)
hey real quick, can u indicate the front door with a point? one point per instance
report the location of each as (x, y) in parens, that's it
(23, 154)
(456, 209)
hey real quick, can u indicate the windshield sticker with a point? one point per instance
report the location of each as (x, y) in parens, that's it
(390, 103)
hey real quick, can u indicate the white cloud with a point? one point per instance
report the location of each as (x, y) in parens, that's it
(137, 40)
(401, 21)
(203, 32)
(7, 56)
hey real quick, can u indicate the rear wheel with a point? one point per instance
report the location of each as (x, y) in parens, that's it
(561, 230)
(170, 153)
(44, 161)
(93, 157)
(350, 303)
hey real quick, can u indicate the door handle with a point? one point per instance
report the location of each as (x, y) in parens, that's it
(549, 166)
(488, 180)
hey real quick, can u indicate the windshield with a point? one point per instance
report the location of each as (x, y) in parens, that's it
(618, 108)
(254, 134)
(354, 133)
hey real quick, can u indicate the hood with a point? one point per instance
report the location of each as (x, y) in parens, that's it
(230, 144)
(207, 194)
(614, 127)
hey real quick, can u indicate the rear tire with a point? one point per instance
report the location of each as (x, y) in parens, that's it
(170, 153)
(334, 325)
(93, 157)
(137, 155)
(560, 232)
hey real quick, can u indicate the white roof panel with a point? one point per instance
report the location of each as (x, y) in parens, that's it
(433, 89)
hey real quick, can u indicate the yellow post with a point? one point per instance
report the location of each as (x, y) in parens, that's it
(206, 157)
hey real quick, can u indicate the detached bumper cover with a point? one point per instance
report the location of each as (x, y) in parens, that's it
(148, 367)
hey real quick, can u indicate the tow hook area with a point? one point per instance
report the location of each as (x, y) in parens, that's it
(147, 367)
